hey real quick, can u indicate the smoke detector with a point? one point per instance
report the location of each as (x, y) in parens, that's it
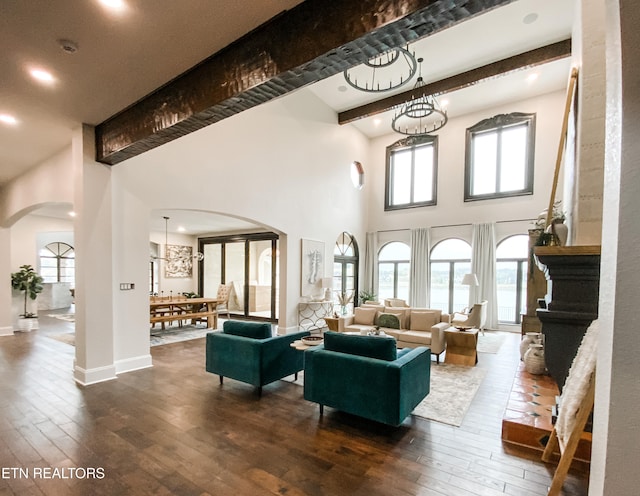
(68, 46)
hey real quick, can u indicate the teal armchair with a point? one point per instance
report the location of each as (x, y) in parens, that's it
(247, 352)
(368, 378)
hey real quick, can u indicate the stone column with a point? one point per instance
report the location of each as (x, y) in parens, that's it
(583, 186)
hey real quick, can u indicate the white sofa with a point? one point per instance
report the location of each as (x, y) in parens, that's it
(418, 326)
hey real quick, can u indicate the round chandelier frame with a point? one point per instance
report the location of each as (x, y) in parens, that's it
(386, 60)
(421, 115)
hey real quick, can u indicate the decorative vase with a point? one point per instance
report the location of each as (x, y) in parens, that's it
(529, 338)
(343, 309)
(27, 324)
(534, 359)
(559, 231)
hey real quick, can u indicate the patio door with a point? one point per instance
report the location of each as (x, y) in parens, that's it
(247, 263)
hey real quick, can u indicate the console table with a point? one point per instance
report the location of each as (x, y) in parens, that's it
(311, 314)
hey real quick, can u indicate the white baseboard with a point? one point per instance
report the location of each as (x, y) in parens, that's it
(6, 331)
(93, 376)
(131, 364)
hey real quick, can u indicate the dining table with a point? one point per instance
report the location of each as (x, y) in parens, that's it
(168, 309)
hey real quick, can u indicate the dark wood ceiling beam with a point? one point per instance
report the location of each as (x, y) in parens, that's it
(310, 42)
(542, 55)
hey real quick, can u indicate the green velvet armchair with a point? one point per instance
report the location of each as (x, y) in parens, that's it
(367, 376)
(247, 352)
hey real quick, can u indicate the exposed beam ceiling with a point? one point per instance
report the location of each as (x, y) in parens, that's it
(525, 60)
(303, 45)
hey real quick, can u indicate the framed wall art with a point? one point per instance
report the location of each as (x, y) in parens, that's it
(312, 268)
(179, 261)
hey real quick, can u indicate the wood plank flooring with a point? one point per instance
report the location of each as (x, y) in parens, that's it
(174, 430)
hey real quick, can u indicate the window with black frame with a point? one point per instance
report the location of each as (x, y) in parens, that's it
(57, 263)
(345, 268)
(499, 157)
(411, 173)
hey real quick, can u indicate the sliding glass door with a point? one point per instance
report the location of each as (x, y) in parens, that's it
(249, 264)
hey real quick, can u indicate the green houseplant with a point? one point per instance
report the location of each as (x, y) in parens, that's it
(367, 295)
(28, 281)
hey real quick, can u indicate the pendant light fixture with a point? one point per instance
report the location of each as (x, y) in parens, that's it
(384, 72)
(422, 114)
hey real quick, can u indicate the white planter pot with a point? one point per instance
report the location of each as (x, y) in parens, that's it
(26, 325)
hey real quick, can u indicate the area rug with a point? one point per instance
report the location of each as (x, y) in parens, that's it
(67, 337)
(490, 342)
(69, 317)
(177, 334)
(453, 388)
(158, 337)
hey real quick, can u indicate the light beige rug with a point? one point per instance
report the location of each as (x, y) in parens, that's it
(453, 388)
(490, 342)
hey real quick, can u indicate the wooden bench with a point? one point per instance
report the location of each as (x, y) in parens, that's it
(154, 319)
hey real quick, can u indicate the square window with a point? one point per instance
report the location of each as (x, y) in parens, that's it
(411, 177)
(499, 157)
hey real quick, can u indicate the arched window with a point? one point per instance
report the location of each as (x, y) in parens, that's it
(57, 263)
(393, 271)
(450, 261)
(345, 266)
(511, 274)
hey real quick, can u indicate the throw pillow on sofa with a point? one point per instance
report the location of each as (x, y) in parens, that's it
(389, 321)
(423, 320)
(402, 313)
(254, 330)
(368, 346)
(364, 316)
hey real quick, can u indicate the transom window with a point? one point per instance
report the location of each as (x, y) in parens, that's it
(511, 277)
(393, 271)
(499, 157)
(411, 177)
(57, 263)
(450, 261)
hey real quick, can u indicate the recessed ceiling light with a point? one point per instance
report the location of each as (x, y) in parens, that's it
(342, 88)
(72, 214)
(114, 5)
(42, 75)
(8, 119)
(530, 18)
(444, 102)
(377, 121)
(181, 229)
(532, 77)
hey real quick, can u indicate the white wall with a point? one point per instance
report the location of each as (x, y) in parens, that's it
(284, 165)
(451, 208)
(47, 182)
(172, 285)
(33, 232)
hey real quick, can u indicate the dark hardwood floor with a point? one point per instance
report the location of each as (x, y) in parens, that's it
(173, 429)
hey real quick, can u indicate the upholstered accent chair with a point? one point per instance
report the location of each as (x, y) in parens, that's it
(247, 352)
(224, 290)
(367, 376)
(475, 317)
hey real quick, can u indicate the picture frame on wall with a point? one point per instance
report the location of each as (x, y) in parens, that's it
(312, 267)
(179, 261)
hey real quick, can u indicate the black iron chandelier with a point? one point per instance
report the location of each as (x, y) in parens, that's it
(420, 115)
(384, 72)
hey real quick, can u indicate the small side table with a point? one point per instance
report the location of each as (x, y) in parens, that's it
(461, 346)
(332, 323)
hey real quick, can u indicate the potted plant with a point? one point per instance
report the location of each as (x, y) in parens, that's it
(367, 295)
(29, 282)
